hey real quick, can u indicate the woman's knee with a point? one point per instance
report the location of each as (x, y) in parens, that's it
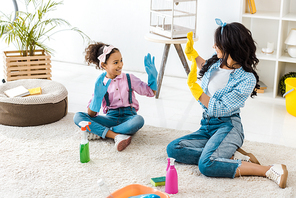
(204, 167)
(171, 149)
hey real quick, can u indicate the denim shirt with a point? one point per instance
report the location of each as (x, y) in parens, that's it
(228, 100)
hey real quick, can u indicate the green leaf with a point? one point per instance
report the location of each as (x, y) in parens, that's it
(30, 30)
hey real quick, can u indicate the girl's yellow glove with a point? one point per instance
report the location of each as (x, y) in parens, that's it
(189, 50)
(191, 54)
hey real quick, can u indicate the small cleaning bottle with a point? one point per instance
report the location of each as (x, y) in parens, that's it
(104, 189)
(171, 181)
(84, 145)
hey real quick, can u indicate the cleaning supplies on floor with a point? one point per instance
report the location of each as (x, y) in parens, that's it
(171, 181)
(84, 145)
(158, 181)
(105, 193)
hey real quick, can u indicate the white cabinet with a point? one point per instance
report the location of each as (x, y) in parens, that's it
(271, 23)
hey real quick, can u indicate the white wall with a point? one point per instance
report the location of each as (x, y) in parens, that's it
(124, 23)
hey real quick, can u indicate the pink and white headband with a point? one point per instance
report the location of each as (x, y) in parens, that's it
(106, 50)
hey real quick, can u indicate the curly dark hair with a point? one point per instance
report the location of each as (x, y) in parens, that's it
(235, 41)
(94, 50)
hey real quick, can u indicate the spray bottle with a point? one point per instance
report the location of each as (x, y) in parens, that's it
(84, 145)
(171, 181)
(104, 189)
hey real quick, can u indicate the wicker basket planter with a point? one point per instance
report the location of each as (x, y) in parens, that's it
(26, 67)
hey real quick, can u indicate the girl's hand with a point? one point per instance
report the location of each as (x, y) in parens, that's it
(151, 71)
(99, 93)
(189, 50)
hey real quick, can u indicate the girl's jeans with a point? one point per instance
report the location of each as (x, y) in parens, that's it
(123, 120)
(211, 147)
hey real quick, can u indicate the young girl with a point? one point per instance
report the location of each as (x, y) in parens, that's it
(114, 91)
(228, 78)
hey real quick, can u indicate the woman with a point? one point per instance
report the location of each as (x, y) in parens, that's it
(228, 79)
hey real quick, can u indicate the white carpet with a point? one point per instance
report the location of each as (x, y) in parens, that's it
(43, 161)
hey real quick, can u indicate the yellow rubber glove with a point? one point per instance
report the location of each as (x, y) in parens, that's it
(195, 89)
(191, 54)
(189, 50)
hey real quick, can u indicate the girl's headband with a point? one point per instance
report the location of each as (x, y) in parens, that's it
(219, 22)
(106, 50)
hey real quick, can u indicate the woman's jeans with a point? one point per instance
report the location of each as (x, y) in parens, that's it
(211, 147)
(123, 120)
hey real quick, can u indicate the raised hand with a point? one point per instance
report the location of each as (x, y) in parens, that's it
(151, 71)
(189, 50)
(99, 92)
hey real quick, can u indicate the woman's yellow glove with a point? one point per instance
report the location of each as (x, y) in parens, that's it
(195, 89)
(189, 50)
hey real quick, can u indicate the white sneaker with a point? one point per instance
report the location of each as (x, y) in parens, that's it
(237, 155)
(122, 141)
(92, 136)
(279, 174)
(244, 156)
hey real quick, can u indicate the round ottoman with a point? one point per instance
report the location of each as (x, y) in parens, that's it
(49, 106)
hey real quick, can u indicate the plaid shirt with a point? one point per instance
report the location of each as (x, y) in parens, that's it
(228, 100)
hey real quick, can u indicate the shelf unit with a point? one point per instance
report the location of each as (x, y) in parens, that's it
(271, 23)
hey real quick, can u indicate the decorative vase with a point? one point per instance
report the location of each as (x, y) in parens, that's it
(292, 51)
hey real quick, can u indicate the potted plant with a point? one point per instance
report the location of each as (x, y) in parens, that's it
(282, 85)
(28, 32)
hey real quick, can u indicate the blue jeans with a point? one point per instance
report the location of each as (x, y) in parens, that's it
(211, 147)
(123, 120)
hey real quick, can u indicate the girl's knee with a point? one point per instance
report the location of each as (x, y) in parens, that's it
(139, 120)
(78, 117)
(132, 126)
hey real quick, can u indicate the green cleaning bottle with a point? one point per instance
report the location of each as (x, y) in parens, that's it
(84, 145)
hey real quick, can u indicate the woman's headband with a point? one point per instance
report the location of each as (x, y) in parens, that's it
(106, 50)
(219, 22)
